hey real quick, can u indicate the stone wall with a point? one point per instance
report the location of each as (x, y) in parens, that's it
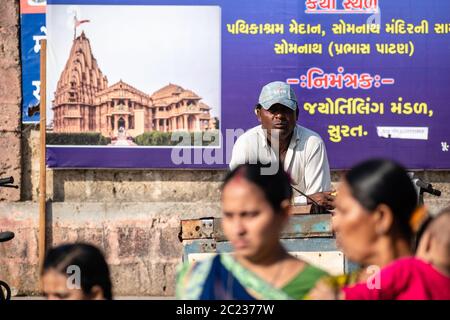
(10, 97)
(140, 240)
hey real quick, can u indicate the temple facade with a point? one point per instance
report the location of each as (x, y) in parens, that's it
(84, 102)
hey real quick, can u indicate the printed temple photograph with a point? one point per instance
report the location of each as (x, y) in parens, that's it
(130, 76)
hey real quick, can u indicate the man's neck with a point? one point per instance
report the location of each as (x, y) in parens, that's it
(284, 145)
(283, 142)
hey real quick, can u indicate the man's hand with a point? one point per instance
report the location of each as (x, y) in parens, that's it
(324, 199)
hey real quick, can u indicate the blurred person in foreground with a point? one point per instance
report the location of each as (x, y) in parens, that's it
(76, 272)
(255, 208)
(374, 205)
(423, 277)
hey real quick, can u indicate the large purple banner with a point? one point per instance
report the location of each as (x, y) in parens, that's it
(171, 84)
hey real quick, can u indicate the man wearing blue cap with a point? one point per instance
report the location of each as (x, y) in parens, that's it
(279, 139)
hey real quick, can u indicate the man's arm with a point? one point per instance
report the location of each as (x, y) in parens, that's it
(317, 170)
(239, 153)
(317, 175)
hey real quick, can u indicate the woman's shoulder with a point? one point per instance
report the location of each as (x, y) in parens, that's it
(309, 271)
(306, 268)
(190, 266)
(343, 280)
(315, 271)
(305, 279)
(192, 274)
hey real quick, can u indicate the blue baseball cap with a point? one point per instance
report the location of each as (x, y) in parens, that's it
(277, 92)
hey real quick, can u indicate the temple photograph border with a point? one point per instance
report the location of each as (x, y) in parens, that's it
(117, 103)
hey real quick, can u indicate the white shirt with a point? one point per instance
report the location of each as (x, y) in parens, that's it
(306, 158)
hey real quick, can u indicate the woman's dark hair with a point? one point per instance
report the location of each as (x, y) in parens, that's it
(276, 187)
(378, 181)
(90, 260)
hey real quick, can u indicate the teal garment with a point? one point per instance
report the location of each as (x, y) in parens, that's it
(195, 279)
